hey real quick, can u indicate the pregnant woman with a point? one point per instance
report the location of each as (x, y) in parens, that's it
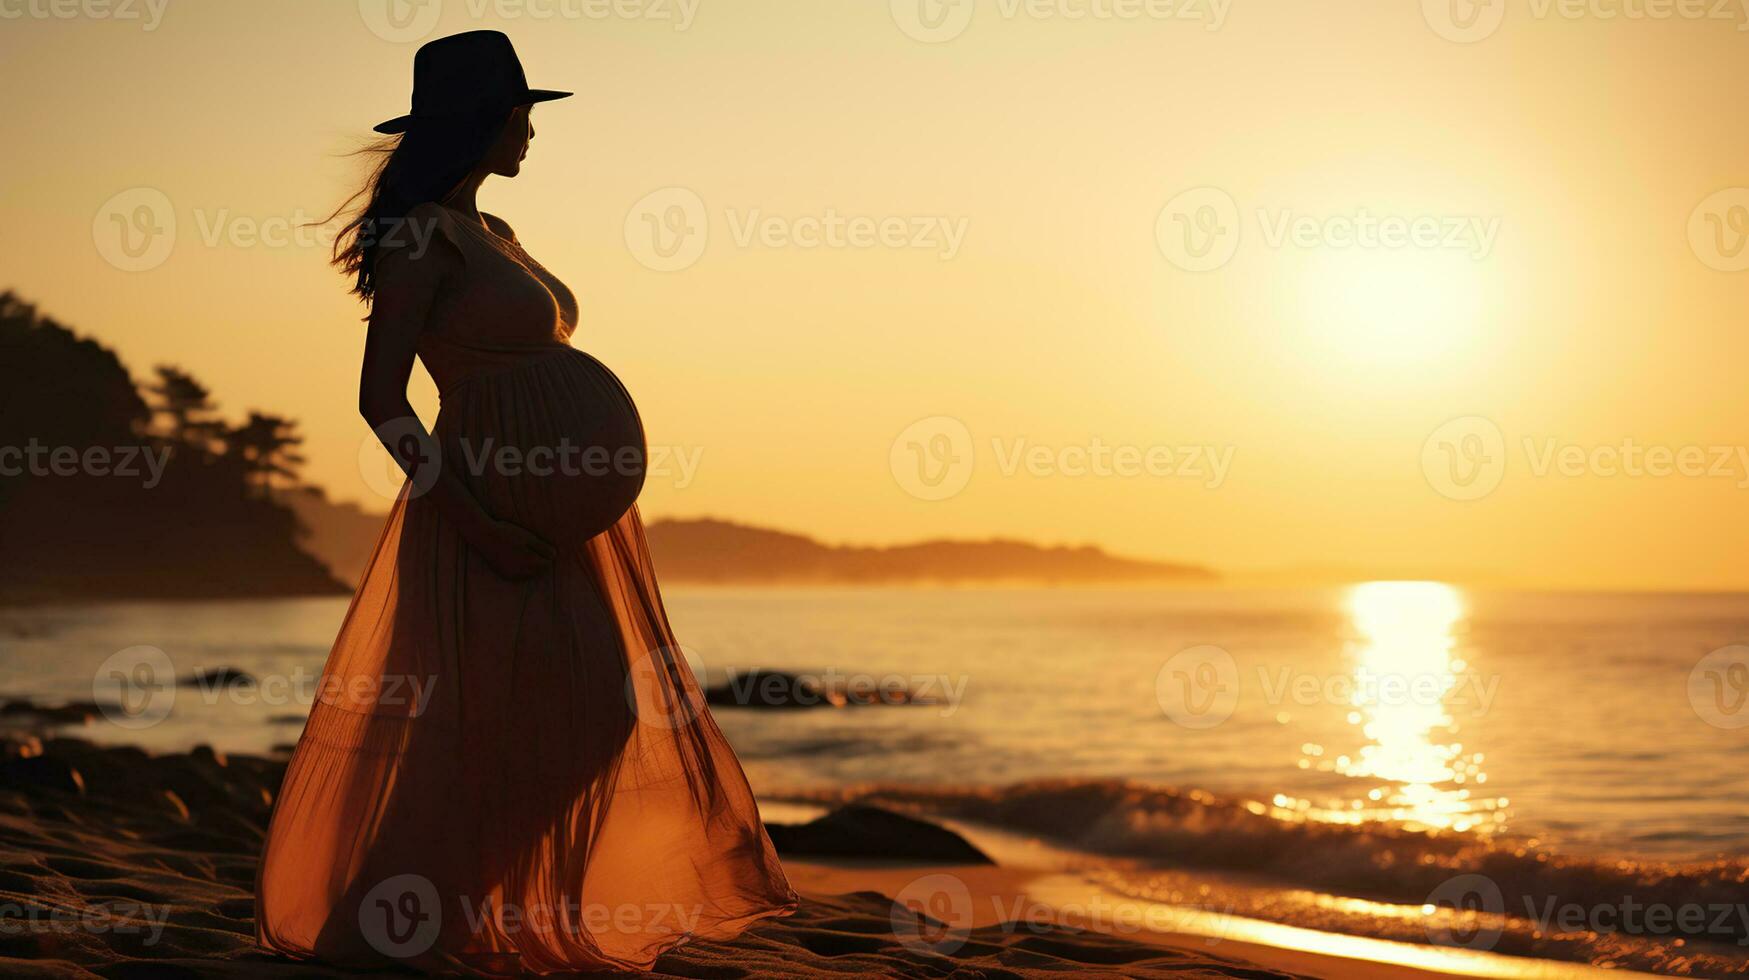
(508, 768)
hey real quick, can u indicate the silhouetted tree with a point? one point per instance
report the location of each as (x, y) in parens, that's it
(267, 444)
(189, 406)
(97, 501)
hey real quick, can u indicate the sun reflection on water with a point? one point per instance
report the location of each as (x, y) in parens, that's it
(1406, 677)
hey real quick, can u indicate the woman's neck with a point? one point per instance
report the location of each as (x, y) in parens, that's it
(463, 198)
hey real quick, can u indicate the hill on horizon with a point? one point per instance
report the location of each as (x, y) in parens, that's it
(719, 551)
(715, 551)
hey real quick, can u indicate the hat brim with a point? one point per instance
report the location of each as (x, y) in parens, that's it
(400, 124)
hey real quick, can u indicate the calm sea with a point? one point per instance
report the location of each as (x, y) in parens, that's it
(1599, 725)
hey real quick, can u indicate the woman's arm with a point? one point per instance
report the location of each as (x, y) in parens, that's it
(406, 287)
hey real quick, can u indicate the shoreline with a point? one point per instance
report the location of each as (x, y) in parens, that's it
(88, 832)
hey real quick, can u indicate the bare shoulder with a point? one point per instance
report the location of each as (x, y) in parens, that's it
(499, 226)
(424, 238)
(428, 221)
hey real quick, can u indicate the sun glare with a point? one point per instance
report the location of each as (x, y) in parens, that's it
(1410, 763)
(1390, 306)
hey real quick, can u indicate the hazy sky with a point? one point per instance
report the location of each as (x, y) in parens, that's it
(1094, 243)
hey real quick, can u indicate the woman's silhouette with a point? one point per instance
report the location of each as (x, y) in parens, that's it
(508, 768)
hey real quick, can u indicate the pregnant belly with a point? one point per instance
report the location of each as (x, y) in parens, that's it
(554, 445)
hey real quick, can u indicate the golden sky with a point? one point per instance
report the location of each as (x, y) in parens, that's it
(1399, 215)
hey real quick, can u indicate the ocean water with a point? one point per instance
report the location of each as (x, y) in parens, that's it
(1394, 762)
(1597, 726)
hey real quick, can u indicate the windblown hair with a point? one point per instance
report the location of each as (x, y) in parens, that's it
(424, 164)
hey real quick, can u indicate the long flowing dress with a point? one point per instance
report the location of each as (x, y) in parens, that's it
(500, 777)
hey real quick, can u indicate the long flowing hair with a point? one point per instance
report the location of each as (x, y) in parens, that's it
(423, 164)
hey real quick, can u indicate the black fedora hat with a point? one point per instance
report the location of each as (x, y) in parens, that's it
(473, 72)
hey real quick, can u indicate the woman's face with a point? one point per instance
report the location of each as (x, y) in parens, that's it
(505, 157)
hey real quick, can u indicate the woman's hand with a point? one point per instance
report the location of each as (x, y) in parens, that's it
(513, 552)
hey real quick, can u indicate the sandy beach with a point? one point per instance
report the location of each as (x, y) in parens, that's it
(115, 862)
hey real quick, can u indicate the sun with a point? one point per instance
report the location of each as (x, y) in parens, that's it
(1390, 306)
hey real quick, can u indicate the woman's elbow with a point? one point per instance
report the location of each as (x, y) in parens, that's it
(376, 408)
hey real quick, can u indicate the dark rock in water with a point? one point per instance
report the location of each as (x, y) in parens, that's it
(218, 677)
(77, 713)
(861, 831)
(780, 689)
(207, 754)
(766, 689)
